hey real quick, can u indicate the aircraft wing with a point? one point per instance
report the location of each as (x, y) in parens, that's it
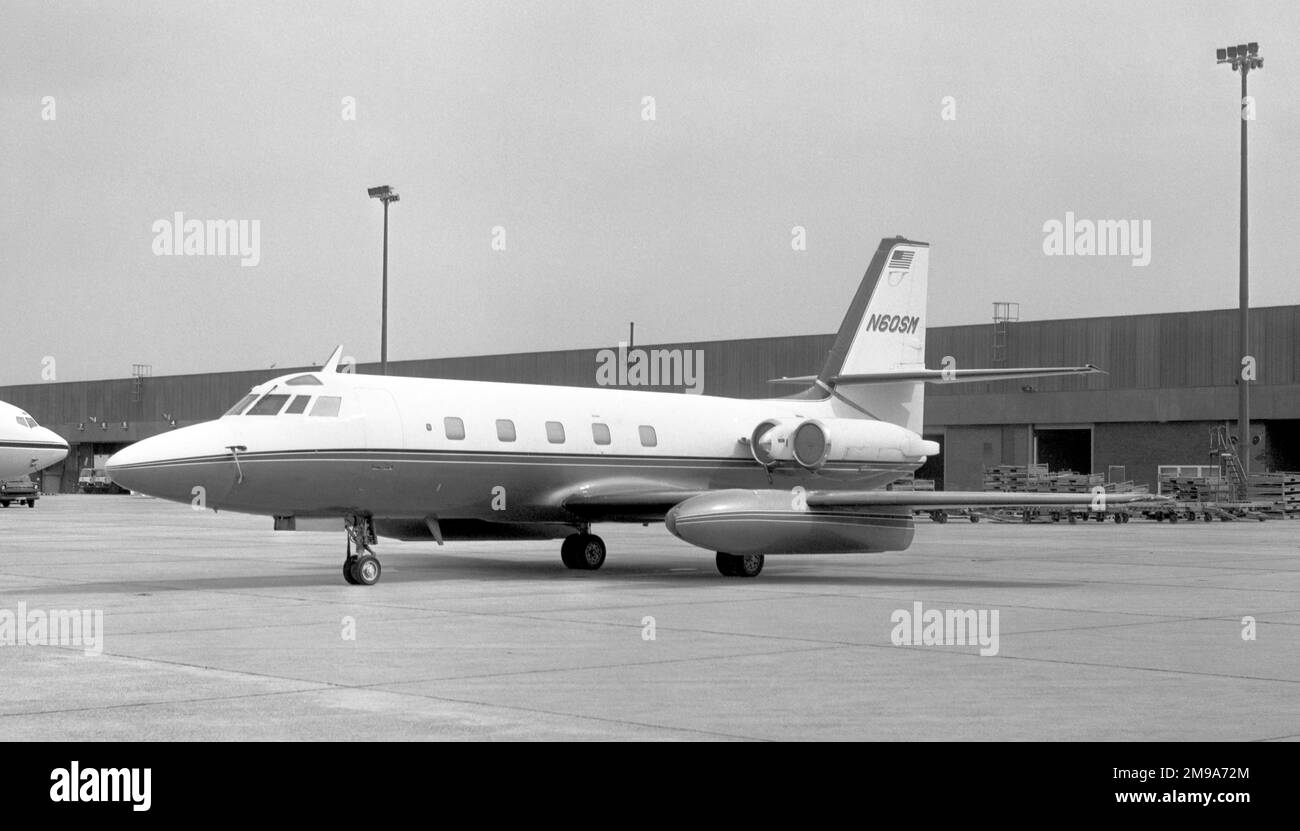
(650, 502)
(624, 501)
(936, 500)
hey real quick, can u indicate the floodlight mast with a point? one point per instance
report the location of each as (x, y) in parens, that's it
(385, 194)
(1243, 58)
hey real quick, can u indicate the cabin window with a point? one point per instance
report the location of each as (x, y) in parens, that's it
(454, 427)
(269, 405)
(600, 433)
(301, 380)
(555, 432)
(648, 436)
(243, 402)
(298, 405)
(326, 405)
(505, 429)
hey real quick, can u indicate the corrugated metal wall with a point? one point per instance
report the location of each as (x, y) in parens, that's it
(1190, 357)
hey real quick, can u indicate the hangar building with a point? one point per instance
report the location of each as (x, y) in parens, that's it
(1172, 379)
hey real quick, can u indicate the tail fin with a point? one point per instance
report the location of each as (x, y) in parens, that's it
(877, 364)
(884, 333)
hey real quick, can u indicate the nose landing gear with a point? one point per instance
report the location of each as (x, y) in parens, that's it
(361, 568)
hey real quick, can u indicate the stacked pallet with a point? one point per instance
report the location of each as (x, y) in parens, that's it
(1067, 481)
(1281, 492)
(1037, 479)
(1126, 487)
(1006, 478)
(909, 483)
(1197, 488)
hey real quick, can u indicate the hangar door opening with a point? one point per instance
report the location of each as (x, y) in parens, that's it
(933, 467)
(1063, 448)
(1283, 439)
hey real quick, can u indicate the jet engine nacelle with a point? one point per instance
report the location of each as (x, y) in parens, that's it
(816, 442)
(770, 441)
(781, 522)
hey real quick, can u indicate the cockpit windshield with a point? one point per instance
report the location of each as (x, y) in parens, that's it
(273, 404)
(269, 405)
(243, 402)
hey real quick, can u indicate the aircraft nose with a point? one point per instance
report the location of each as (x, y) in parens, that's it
(53, 455)
(192, 464)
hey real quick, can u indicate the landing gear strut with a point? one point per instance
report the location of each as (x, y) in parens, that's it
(584, 551)
(361, 568)
(740, 565)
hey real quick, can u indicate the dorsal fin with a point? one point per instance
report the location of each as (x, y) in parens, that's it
(332, 365)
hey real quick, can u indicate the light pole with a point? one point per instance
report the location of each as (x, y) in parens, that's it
(385, 194)
(1243, 58)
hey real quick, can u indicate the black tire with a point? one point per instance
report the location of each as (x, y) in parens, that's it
(366, 570)
(591, 555)
(739, 565)
(583, 552)
(347, 570)
(570, 551)
(31, 503)
(4, 503)
(974, 517)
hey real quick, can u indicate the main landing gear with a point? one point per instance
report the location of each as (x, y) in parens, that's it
(361, 568)
(583, 551)
(740, 565)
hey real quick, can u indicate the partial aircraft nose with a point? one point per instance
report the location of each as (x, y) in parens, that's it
(192, 464)
(53, 454)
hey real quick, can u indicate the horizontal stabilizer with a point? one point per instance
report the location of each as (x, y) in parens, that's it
(946, 376)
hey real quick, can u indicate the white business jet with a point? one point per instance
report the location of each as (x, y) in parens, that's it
(417, 458)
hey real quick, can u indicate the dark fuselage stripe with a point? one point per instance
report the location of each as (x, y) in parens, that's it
(495, 457)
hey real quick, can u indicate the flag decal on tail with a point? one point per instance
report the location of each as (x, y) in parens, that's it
(901, 258)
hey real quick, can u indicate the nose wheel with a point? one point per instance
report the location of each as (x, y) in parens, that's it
(361, 568)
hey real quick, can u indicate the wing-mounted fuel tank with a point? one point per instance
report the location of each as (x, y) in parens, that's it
(781, 522)
(812, 443)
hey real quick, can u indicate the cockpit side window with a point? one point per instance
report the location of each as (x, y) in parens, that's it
(269, 405)
(22, 422)
(327, 405)
(31, 422)
(243, 402)
(298, 405)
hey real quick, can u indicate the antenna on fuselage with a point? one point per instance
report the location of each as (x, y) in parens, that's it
(332, 365)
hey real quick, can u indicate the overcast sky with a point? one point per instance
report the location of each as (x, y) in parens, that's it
(530, 117)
